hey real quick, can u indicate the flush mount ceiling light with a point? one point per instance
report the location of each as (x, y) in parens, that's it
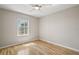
(36, 6)
(39, 7)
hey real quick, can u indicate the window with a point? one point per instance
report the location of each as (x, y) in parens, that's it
(22, 27)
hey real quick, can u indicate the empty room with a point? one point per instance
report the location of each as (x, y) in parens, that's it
(39, 29)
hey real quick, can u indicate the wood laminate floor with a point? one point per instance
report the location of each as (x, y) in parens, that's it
(37, 47)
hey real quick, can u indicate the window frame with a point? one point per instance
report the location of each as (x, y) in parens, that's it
(27, 21)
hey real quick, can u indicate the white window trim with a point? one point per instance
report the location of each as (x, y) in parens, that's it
(27, 31)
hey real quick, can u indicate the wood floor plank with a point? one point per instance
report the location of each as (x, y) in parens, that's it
(37, 47)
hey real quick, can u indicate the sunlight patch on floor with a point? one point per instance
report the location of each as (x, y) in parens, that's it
(29, 44)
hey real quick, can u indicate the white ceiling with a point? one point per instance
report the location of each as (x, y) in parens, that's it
(27, 9)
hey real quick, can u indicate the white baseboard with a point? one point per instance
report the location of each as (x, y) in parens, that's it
(60, 45)
(17, 43)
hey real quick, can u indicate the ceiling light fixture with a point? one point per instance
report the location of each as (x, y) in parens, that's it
(37, 7)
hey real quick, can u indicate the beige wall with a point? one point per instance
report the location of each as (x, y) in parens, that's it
(8, 26)
(61, 27)
(0, 27)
